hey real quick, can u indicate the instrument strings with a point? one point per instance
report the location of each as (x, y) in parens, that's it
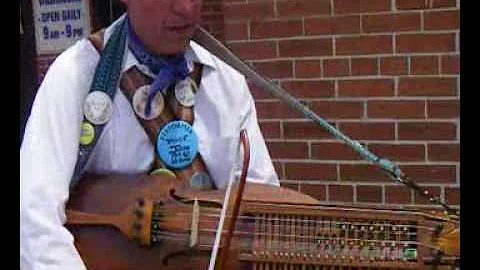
(299, 220)
(205, 241)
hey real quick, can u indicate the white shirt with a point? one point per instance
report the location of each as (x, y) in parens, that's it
(49, 149)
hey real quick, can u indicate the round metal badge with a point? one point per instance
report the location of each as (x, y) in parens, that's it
(185, 92)
(139, 102)
(98, 107)
(201, 180)
(177, 144)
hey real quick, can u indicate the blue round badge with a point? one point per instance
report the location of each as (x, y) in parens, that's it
(177, 144)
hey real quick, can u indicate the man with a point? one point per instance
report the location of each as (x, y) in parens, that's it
(48, 155)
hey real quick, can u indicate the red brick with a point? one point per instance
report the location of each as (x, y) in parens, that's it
(333, 151)
(336, 67)
(364, 45)
(360, 6)
(399, 152)
(276, 110)
(395, 65)
(423, 4)
(398, 109)
(276, 28)
(270, 130)
(278, 169)
(410, 43)
(308, 68)
(444, 3)
(427, 131)
(442, 174)
(372, 194)
(444, 109)
(292, 186)
(332, 25)
(442, 20)
(338, 109)
(297, 150)
(424, 65)
(259, 93)
(452, 196)
(450, 64)
(305, 130)
(366, 88)
(411, 4)
(310, 171)
(341, 193)
(308, 47)
(420, 199)
(300, 8)
(319, 192)
(427, 86)
(364, 66)
(254, 50)
(310, 89)
(444, 152)
(369, 131)
(361, 172)
(236, 31)
(275, 69)
(254, 10)
(391, 22)
(397, 195)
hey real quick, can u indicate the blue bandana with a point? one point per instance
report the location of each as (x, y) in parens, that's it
(168, 69)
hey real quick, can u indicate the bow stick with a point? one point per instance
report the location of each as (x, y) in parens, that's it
(236, 208)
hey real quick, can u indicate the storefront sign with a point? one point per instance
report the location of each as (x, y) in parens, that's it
(59, 24)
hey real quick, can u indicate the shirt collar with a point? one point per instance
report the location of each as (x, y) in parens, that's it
(194, 53)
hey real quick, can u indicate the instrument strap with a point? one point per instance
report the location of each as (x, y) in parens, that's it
(195, 174)
(133, 79)
(105, 80)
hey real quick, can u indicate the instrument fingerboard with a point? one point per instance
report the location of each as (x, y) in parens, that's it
(303, 242)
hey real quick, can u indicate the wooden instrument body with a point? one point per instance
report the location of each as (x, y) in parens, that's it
(111, 199)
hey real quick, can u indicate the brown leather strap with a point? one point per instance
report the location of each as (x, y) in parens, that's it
(130, 81)
(133, 79)
(97, 39)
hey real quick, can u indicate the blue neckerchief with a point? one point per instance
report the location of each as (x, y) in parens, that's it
(168, 69)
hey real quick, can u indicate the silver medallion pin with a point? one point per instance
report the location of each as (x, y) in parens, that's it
(97, 107)
(201, 180)
(139, 102)
(185, 92)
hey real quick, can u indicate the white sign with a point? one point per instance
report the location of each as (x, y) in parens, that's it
(59, 24)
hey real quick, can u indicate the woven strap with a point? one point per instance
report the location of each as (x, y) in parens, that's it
(130, 81)
(107, 73)
(133, 79)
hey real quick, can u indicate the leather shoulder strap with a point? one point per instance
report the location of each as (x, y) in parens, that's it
(97, 39)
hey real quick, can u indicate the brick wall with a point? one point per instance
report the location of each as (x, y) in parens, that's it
(384, 72)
